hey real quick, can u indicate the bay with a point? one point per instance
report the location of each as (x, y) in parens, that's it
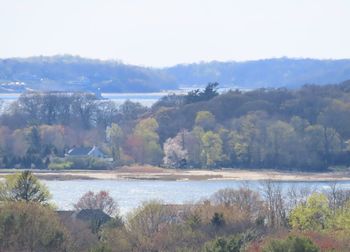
(131, 193)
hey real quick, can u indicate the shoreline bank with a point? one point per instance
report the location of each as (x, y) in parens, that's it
(156, 173)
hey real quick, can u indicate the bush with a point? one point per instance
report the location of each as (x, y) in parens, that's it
(60, 164)
(291, 244)
(31, 227)
(89, 163)
(231, 244)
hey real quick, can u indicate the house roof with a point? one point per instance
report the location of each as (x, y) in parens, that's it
(83, 151)
(64, 214)
(79, 151)
(93, 214)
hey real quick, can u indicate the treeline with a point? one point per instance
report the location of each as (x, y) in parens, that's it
(231, 220)
(304, 129)
(70, 73)
(74, 74)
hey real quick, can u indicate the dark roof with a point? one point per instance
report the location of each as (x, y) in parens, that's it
(64, 214)
(93, 214)
(79, 151)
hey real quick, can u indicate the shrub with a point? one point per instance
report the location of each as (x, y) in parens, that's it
(89, 163)
(291, 244)
(29, 226)
(60, 164)
(221, 244)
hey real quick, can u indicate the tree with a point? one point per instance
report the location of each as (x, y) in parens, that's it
(323, 141)
(84, 106)
(217, 220)
(275, 204)
(248, 139)
(205, 119)
(281, 135)
(291, 244)
(337, 116)
(101, 200)
(208, 93)
(341, 218)
(31, 227)
(114, 135)
(192, 144)
(24, 187)
(314, 215)
(174, 153)
(244, 200)
(34, 141)
(146, 221)
(146, 148)
(211, 149)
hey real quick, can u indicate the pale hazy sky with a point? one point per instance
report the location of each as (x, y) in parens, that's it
(167, 32)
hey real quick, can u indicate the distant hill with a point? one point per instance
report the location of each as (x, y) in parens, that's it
(282, 72)
(69, 73)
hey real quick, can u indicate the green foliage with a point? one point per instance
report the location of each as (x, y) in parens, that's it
(341, 218)
(26, 187)
(225, 244)
(34, 141)
(114, 135)
(211, 149)
(313, 215)
(60, 164)
(304, 129)
(205, 119)
(194, 220)
(291, 244)
(89, 163)
(208, 93)
(147, 150)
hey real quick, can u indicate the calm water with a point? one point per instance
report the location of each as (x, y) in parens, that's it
(130, 193)
(146, 99)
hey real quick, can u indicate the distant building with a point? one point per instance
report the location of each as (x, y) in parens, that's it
(93, 215)
(82, 152)
(85, 219)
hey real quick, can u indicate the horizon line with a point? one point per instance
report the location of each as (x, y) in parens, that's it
(120, 61)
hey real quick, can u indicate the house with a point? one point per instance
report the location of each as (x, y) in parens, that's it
(82, 152)
(93, 215)
(84, 220)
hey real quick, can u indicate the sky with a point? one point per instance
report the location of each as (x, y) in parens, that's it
(168, 32)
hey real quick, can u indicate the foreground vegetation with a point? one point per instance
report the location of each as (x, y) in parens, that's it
(231, 220)
(305, 129)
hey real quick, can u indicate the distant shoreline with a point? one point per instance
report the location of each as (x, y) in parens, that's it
(156, 173)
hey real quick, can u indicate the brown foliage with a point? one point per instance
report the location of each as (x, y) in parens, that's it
(31, 227)
(101, 200)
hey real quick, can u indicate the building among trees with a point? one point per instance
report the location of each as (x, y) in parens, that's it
(81, 152)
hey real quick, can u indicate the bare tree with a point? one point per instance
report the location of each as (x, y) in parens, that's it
(298, 195)
(337, 197)
(275, 204)
(101, 200)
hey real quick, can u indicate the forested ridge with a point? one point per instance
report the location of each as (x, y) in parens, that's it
(303, 129)
(72, 73)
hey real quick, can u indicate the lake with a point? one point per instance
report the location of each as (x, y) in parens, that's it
(131, 193)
